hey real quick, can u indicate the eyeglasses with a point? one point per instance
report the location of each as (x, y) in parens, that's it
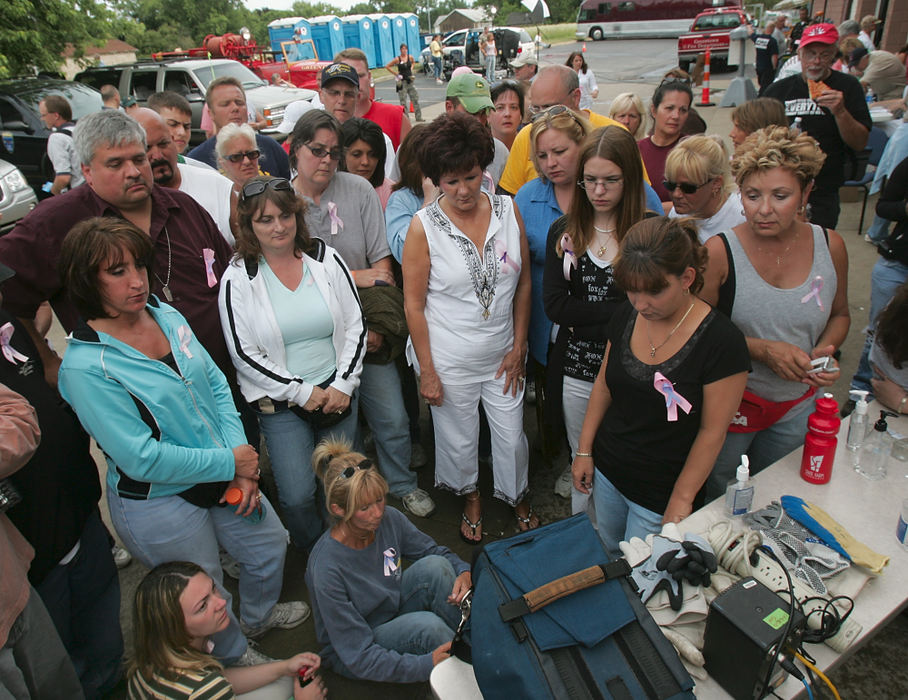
(608, 183)
(350, 471)
(553, 111)
(673, 79)
(253, 188)
(685, 187)
(321, 152)
(238, 157)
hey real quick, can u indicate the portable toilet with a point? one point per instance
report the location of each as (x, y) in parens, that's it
(285, 29)
(399, 32)
(383, 38)
(328, 35)
(414, 41)
(358, 34)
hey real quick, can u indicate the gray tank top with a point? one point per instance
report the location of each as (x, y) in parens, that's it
(797, 316)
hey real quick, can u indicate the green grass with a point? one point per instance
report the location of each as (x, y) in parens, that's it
(555, 33)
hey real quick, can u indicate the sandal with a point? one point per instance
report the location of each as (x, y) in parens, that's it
(473, 526)
(525, 524)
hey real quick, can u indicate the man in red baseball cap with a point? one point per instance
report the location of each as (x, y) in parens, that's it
(832, 109)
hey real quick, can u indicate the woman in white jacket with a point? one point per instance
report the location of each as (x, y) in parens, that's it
(294, 329)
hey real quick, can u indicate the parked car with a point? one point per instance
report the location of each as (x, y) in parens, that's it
(509, 41)
(190, 78)
(24, 136)
(710, 30)
(16, 198)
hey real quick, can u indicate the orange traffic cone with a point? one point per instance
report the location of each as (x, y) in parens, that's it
(584, 47)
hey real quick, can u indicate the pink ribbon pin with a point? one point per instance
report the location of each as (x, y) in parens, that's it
(185, 337)
(570, 260)
(672, 398)
(502, 254)
(815, 287)
(9, 352)
(208, 257)
(336, 221)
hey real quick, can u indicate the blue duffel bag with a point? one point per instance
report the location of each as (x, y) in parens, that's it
(553, 618)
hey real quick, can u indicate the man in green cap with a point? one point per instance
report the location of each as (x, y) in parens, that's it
(469, 93)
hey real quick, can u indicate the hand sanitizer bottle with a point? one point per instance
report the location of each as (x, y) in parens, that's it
(876, 450)
(739, 496)
(857, 426)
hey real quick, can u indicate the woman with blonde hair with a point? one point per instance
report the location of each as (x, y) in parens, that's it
(784, 283)
(698, 177)
(177, 608)
(628, 109)
(375, 620)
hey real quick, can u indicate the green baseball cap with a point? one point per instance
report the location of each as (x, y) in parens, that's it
(472, 90)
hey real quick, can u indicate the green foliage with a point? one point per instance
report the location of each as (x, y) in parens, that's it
(314, 9)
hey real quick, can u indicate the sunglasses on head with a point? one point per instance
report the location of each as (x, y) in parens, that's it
(686, 187)
(238, 157)
(673, 80)
(256, 187)
(350, 471)
(321, 152)
(552, 111)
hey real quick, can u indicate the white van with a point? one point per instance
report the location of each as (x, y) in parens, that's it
(639, 18)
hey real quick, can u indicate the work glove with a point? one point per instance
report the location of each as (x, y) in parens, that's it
(650, 578)
(694, 562)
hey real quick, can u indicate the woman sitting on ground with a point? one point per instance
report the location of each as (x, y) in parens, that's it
(375, 620)
(177, 608)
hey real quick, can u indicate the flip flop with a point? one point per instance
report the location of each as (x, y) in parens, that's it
(472, 526)
(527, 520)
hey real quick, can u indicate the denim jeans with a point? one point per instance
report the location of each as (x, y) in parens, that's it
(575, 396)
(619, 518)
(382, 402)
(490, 68)
(885, 279)
(436, 64)
(171, 529)
(291, 442)
(425, 620)
(83, 599)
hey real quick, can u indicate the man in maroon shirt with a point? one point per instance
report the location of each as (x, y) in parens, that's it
(119, 183)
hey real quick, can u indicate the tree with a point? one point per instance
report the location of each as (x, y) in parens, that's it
(33, 33)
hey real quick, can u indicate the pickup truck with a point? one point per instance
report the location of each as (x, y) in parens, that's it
(710, 30)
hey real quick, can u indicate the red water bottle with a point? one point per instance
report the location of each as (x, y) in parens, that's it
(820, 442)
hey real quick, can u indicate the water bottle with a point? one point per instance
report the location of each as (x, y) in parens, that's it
(234, 497)
(796, 127)
(876, 450)
(820, 441)
(901, 530)
(871, 97)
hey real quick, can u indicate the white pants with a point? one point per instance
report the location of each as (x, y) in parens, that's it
(575, 395)
(457, 439)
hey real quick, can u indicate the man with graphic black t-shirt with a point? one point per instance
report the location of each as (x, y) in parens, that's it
(832, 109)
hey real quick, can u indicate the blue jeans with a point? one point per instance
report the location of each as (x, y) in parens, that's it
(291, 442)
(490, 69)
(382, 402)
(879, 229)
(618, 518)
(885, 279)
(425, 620)
(170, 529)
(436, 64)
(83, 599)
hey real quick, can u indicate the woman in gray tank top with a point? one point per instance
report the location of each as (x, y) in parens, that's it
(784, 283)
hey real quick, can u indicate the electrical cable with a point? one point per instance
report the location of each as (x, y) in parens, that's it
(822, 675)
(793, 602)
(807, 686)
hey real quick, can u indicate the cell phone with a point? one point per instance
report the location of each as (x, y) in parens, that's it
(822, 364)
(301, 674)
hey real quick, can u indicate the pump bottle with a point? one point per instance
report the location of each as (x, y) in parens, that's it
(857, 426)
(739, 496)
(820, 442)
(876, 450)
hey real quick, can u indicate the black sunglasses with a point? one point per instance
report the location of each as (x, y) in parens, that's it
(673, 80)
(256, 187)
(686, 187)
(321, 152)
(350, 471)
(552, 111)
(238, 157)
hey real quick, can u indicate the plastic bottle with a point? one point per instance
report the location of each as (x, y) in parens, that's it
(901, 530)
(739, 496)
(876, 450)
(796, 126)
(234, 497)
(857, 425)
(871, 97)
(820, 442)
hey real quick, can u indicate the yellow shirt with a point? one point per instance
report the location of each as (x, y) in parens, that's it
(435, 48)
(519, 169)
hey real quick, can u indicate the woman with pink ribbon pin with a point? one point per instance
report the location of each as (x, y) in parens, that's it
(670, 382)
(784, 283)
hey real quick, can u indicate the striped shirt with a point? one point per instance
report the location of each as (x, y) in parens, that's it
(186, 685)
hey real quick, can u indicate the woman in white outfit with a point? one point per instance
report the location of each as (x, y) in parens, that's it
(589, 88)
(467, 297)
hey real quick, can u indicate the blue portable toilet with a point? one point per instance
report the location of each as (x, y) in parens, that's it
(399, 32)
(328, 35)
(285, 29)
(358, 34)
(383, 38)
(414, 43)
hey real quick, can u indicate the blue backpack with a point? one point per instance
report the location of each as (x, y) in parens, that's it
(553, 618)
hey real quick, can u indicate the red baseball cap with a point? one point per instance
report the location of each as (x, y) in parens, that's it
(819, 34)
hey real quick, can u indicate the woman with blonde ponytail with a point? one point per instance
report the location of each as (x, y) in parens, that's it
(376, 621)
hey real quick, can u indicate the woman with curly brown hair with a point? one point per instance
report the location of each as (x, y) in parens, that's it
(783, 282)
(672, 376)
(467, 297)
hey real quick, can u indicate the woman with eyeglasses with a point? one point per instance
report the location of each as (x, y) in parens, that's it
(177, 609)
(238, 154)
(670, 105)
(298, 373)
(344, 210)
(467, 298)
(365, 154)
(698, 177)
(627, 109)
(147, 391)
(671, 378)
(376, 620)
(589, 89)
(578, 288)
(783, 282)
(506, 119)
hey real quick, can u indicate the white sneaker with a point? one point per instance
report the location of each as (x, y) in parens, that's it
(253, 657)
(230, 565)
(286, 616)
(121, 557)
(564, 482)
(419, 503)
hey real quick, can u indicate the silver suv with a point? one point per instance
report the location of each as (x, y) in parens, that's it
(16, 198)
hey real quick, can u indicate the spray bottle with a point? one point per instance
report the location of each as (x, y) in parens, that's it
(857, 426)
(739, 496)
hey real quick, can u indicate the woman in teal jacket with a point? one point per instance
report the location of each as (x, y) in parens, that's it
(147, 391)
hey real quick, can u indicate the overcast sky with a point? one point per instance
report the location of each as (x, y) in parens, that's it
(287, 4)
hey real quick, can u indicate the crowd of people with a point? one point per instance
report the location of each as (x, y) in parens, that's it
(662, 294)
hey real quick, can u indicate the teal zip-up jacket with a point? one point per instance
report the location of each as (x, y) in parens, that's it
(160, 432)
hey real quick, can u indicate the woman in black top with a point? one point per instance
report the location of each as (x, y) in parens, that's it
(405, 87)
(672, 377)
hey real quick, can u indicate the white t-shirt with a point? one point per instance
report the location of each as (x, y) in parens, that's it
(212, 191)
(729, 215)
(587, 86)
(62, 154)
